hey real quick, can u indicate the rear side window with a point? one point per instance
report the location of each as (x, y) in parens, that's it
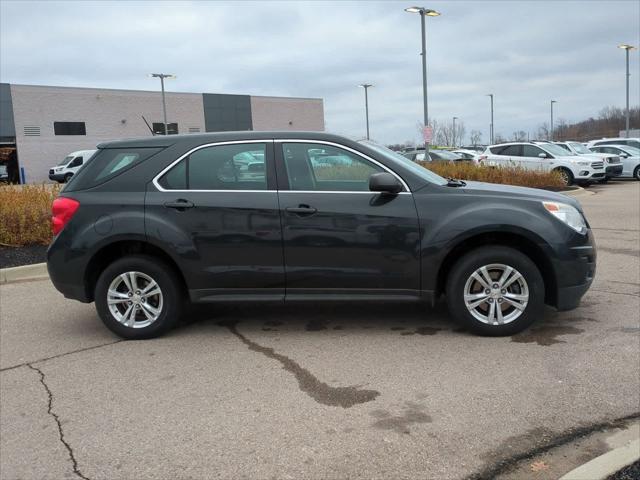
(108, 163)
(512, 150)
(220, 167)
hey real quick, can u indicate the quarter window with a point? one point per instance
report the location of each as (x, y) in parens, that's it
(326, 168)
(220, 167)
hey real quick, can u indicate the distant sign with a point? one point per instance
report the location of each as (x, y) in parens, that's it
(427, 134)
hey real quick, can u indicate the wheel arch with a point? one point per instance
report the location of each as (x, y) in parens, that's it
(112, 251)
(516, 240)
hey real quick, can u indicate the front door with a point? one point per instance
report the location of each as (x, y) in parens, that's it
(217, 211)
(340, 239)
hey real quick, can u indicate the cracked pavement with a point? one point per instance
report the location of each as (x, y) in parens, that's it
(299, 391)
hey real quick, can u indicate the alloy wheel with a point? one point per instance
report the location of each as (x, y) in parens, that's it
(496, 294)
(135, 299)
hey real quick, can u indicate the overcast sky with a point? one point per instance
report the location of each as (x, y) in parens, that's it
(526, 53)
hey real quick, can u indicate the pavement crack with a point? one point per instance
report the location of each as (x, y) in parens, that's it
(616, 293)
(60, 355)
(50, 411)
(344, 397)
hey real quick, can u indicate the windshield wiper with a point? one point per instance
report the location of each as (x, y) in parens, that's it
(454, 182)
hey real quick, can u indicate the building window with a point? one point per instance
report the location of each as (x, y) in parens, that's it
(158, 128)
(69, 128)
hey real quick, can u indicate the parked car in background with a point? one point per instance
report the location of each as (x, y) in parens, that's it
(70, 165)
(152, 224)
(467, 154)
(629, 156)
(545, 156)
(435, 155)
(4, 175)
(612, 163)
(631, 141)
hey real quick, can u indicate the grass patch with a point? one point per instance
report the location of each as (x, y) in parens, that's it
(25, 214)
(505, 175)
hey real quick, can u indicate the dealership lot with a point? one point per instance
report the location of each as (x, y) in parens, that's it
(354, 391)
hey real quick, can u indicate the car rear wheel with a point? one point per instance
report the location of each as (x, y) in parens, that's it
(566, 176)
(495, 291)
(137, 297)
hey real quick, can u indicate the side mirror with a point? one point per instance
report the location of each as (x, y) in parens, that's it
(542, 155)
(384, 182)
(624, 155)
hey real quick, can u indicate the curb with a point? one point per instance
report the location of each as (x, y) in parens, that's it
(36, 271)
(607, 464)
(578, 192)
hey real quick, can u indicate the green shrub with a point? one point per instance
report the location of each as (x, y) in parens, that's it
(505, 175)
(25, 214)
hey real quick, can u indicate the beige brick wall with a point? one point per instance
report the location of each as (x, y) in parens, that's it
(103, 112)
(282, 113)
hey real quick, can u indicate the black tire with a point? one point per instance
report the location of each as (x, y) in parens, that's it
(636, 173)
(472, 261)
(567, 176)
(171, 292)
(67, 177)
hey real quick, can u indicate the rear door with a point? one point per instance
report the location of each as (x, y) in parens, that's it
(216, 209)
(340, 239)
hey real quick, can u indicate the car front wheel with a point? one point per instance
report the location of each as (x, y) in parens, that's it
(495, 291)
(137, 297)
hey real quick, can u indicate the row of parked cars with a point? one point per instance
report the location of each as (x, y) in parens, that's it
(595, 161)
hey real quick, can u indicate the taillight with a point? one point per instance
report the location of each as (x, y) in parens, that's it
(62, 210)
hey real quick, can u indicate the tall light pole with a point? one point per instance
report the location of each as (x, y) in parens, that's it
(366, 103)
(162, 76)
(627, 48)
(453, 140)
(551, 129)
(428, 13)
(491, 125)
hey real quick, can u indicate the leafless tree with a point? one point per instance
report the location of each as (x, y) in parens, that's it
(543, 131)
(519, 136)
(475, 137)
(498, 138)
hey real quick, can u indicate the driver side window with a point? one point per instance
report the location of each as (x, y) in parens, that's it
(322, 167)
(76, 162)
(532, 151)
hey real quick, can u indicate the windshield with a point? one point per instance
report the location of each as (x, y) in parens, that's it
(635, 152)
(555, 149)
(422, 172)
(580, 148)
(65, 160)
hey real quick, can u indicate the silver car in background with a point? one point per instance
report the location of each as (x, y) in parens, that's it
(629, 156)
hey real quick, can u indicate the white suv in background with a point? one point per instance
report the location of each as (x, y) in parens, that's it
(70, 165)
(631, 141)
(612, 163)
(546, 157)
(630, 158)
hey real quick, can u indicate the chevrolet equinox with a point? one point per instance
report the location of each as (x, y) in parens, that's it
(150, 224)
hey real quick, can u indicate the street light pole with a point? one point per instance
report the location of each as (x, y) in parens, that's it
(627, 48)
(162, 76)
(453, 140)
(551, 129)
(491, 125)
(429, 13)
(366, 104)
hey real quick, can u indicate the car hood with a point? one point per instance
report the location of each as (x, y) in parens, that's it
(498, 190)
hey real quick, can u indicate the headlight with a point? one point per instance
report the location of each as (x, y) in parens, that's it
(567, 214)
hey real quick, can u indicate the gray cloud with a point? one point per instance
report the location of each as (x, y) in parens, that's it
(526, 53)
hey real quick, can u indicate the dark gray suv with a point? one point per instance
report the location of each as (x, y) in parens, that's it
(150, 224)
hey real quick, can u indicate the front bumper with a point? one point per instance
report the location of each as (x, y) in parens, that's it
(575, 271)
(57, 177)
(614, 170)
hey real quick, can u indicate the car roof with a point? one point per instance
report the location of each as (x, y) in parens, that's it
(215, 137)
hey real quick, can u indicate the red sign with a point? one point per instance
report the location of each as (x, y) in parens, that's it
(427, 134)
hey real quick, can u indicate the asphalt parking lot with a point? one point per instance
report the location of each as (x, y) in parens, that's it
(317, 391)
